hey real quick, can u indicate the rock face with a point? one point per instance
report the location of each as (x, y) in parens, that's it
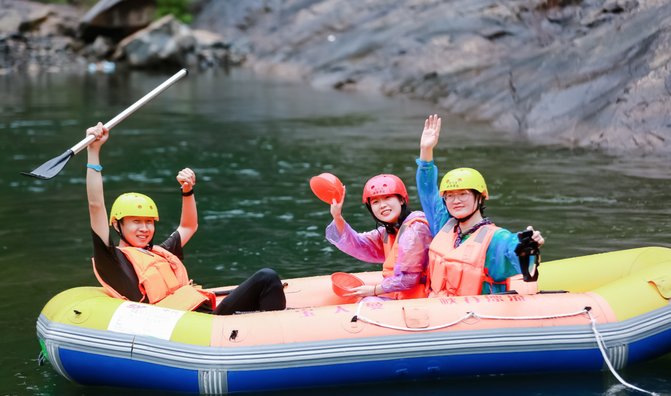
(165, 41)
(169, 42)
(35, 37)
(116, 19)
(593, 73)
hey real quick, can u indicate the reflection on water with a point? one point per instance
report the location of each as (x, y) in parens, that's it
(254, 145)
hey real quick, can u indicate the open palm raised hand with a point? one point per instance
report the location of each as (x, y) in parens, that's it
(431, 132)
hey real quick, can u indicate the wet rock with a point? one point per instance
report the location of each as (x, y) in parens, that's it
(589, 73)
(116, 19)
(168, 42)
(163, 43)
(101, 48)
(35, 37)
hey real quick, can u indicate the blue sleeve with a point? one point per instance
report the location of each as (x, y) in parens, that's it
(429, 197)
(501, 260)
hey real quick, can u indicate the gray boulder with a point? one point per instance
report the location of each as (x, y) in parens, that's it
(168, 42)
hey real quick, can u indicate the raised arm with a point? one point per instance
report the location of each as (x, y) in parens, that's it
(94, 183)
(336, 212)
(188, 223)
(429, 139)
(427, 176)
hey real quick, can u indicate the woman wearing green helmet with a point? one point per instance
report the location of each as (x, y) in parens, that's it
(469, 254)
(138, 270)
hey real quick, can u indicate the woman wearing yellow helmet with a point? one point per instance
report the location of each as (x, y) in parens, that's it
(138, 270)
(469, 254)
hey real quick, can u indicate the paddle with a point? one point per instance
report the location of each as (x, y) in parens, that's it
(52, 167)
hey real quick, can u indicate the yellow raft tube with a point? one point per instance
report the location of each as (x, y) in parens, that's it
(591, 310)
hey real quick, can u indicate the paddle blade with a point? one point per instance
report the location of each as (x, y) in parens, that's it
(52, 167)
(327, 187)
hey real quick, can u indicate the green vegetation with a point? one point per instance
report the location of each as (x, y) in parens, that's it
(179, 8)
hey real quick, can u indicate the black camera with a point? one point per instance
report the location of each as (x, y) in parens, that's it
(526, 248)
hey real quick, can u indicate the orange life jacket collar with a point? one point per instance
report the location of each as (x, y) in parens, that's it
(459, 271)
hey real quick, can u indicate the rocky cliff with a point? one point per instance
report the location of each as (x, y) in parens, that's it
(594, 73)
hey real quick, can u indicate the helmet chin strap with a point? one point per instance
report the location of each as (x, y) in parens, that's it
(391, 228)
(477, 209)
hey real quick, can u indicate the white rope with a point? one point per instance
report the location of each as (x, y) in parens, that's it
(599, 338)
(566, 315)
(462, 319)
(602, 348)
(403, 328)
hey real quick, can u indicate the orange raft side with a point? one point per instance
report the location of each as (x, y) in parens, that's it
(315, 314)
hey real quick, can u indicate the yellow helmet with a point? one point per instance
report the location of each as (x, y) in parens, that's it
(133, 204)
(464, 179)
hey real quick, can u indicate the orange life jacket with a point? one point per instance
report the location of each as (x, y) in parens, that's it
(391, 254)
(163, 279)
(459, 271)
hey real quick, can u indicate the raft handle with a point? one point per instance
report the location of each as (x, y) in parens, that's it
(77, 312)
(354, 319)
(233, 336)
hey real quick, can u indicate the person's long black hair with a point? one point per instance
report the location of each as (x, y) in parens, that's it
(392, 228)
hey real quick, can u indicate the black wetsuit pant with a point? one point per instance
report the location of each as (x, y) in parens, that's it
(262, 291)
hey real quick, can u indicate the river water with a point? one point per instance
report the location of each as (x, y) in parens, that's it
(254, 145)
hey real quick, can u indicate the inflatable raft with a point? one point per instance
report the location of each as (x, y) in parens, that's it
(611, 308)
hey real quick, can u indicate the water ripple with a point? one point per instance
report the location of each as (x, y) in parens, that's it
(248, 173)
(232, 214)
(560, 199)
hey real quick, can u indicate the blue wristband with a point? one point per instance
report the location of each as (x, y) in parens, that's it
(95, 167)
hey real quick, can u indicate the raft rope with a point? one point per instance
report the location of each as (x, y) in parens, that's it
(602, 348)
(585, 311)
(468, 315)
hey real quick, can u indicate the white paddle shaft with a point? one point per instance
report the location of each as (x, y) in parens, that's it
(131, 109)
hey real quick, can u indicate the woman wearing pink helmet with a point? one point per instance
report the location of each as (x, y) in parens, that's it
(400, 241)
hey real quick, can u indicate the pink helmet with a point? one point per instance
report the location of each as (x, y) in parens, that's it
(384, 185)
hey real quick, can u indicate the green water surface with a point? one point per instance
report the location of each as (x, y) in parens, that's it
(254, 145)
